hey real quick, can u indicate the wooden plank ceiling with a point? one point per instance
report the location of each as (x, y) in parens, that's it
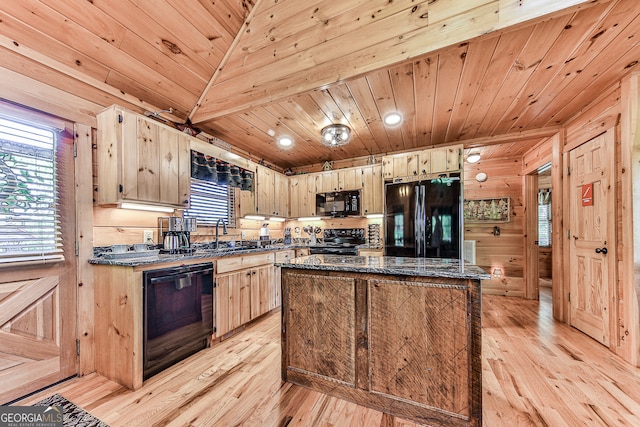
(249, 71)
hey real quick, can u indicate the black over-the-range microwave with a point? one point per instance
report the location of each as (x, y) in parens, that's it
(338, 204)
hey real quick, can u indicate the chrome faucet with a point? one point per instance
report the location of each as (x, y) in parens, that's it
(224, 231)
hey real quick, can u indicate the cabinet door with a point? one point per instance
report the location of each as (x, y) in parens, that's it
(413, 164)
(446, 159)
(372, 190)
(328, 181)
(174, 167)
(424, 162)
(228, 302)
(141, 160)
(267, 288)
(308, 207)
(148, 162)
(294, 196)
(223, 305)
(244, 309)
(349, 179)
(265, 191)
(281, 197)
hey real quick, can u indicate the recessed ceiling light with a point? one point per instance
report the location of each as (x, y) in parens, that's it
(285, 141)
(481, 177)
(473, 158)
(392, 119)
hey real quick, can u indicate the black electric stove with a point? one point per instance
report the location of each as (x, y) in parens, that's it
(339, 241)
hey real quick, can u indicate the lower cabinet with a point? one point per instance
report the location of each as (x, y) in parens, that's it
(245, 290)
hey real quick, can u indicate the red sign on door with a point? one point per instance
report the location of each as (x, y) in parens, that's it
(587, 195)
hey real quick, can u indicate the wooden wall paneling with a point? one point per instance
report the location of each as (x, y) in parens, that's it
(537, 156)
(545, 263)
(531, 274)
(630, 152)
(505, 251)
(602, 114)
(84, 138)
(26, 91)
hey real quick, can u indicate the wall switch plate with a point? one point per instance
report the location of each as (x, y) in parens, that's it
(243, 235)
(148, 236)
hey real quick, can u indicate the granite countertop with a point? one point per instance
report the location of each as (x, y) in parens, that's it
(133, 259)
(426, 267)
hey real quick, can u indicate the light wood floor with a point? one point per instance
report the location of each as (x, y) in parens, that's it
(535, 372)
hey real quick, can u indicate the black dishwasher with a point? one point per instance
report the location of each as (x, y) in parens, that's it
(178, 314)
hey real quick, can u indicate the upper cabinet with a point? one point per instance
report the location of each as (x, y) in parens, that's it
(270, 196)
(372, 190)
(413, 165)
(302, 192)
(141, 160)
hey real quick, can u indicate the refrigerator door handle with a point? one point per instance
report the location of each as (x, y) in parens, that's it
(419, 221)
(416, 225)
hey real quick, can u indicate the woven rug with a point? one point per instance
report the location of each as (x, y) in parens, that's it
(74, 416)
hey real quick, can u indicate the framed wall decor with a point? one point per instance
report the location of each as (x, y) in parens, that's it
(487, 210)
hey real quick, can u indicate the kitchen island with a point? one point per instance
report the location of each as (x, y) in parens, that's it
(401, 335)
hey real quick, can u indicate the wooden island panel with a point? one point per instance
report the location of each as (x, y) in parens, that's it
(406, 345)
(419, 343)
(321, 326)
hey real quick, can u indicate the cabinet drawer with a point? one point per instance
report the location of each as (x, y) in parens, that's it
(225, 265)
(283, 256)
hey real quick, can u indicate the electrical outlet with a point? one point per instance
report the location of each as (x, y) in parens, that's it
(243, 235)
(148, 236)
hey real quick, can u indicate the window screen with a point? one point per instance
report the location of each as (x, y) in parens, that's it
(211, 201)
(29, 223)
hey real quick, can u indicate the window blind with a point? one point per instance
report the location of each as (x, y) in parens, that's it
(211, 201)
(544, 225)
(29, 221)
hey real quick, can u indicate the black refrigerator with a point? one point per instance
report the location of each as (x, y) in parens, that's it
(423, 219)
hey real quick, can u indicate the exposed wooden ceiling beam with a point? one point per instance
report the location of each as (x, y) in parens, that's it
(512, 137)
(434, 26)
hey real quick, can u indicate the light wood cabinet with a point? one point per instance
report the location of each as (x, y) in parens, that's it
(281, 199)
(419, 164)
(372, 196)
(339, 180)
(245, 289)
(141, 160)
(302, 196)
(271, 195)
(233, 301)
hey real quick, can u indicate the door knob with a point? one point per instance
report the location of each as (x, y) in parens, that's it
(603, 251)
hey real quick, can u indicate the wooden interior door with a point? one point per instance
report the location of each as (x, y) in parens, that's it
(592, 231)
(38, 306)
